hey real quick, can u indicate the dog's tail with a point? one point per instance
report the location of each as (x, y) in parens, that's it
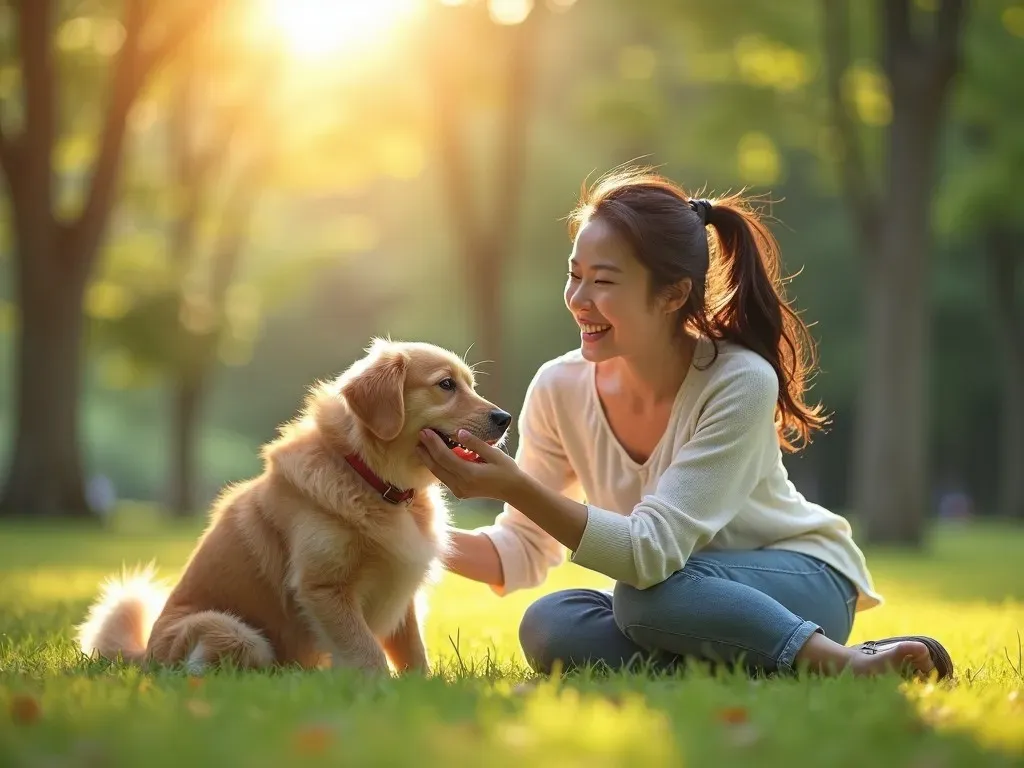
(120, 620)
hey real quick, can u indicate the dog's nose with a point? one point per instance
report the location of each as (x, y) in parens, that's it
(501, 418)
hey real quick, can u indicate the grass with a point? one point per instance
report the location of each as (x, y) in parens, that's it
(57, 708)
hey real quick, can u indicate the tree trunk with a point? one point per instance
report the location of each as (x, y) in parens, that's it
(892, 477)
(185, 412)
(45, 475)
(891, 472)
(1003, 257)
(1011, 454)
(486, 239)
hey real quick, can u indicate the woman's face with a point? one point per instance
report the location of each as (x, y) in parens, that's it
(608, 293)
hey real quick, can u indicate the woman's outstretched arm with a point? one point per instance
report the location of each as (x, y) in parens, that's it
(474, 556)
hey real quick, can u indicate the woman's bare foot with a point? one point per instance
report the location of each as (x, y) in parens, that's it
(867, 659)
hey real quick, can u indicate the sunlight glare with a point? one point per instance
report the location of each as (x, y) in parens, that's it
(316, 29)
(509, 12)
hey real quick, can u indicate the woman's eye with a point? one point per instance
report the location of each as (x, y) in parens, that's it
(571, 276)
(448, 384)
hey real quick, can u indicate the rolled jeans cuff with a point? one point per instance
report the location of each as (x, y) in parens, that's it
(796, 641)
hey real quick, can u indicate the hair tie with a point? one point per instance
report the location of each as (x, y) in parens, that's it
(703, 209)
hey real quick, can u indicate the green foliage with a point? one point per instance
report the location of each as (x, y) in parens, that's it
(986, 145)
(352, 235)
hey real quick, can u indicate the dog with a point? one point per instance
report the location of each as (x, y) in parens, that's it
(324, 558)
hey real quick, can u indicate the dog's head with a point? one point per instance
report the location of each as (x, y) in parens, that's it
(401, 388)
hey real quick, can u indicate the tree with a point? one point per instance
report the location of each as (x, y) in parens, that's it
(979, 212)
(893, 226)
(1004, 257)
(201, 318)
(55, 255)
(227, 131)
(485, 239)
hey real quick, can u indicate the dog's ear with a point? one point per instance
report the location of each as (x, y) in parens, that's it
(376, 393)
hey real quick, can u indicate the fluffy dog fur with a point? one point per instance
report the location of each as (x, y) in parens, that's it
(307, 563)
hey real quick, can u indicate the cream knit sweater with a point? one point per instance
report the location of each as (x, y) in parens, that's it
(715, 480)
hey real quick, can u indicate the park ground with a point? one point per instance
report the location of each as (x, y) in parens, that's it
(58, 709)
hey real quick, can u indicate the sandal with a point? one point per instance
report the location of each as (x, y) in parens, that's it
(939, 655)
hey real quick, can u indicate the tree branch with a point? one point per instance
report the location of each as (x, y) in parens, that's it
(35, 38)
(187, 188)
(179, 140)
(245, 112)
(949, 25)
(233, 232)
(897, 37)
(87, 229)
(132, 68)
(454, 167)
(511, 174)
(8, 155)
(853, 167)
(1004, 265)
(179, 33)
(205, 160)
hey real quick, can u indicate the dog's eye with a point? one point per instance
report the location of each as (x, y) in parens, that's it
(448, 384)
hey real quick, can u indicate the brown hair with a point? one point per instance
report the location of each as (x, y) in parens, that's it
(736, 294)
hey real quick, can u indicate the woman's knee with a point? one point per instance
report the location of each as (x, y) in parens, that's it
(540, 630)
(652, 607)
(550, 625)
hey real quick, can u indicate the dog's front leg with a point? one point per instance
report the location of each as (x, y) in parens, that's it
(405, 645)
(341, 624)
(322, 558)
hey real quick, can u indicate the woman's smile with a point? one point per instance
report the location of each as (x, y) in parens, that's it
(591, 332)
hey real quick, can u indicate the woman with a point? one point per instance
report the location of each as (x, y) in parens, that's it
(670, 420)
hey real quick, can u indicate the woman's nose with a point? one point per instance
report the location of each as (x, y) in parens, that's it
(578, 298)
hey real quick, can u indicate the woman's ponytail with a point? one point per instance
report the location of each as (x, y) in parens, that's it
(746, 304)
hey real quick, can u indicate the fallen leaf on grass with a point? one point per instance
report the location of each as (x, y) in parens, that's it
(25, 710)
(733, 715)
(199, 708)
(740, 731)
(312, 739)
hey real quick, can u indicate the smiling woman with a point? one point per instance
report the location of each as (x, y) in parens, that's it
(318, 29)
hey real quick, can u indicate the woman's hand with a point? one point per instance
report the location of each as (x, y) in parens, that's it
(493, 476)
(497, 476)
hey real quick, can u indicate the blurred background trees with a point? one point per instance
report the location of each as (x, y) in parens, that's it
(210, 205)
(62, 101)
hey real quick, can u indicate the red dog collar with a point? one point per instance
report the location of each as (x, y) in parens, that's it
(387, 491)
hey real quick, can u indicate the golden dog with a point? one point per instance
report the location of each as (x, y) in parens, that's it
(327, 550)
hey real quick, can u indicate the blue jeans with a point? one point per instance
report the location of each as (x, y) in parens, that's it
(753, 609)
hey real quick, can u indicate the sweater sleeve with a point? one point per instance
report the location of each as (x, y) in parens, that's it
(700, 492)
(526, 550)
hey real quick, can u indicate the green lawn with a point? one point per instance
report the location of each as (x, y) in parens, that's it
(56, 709)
